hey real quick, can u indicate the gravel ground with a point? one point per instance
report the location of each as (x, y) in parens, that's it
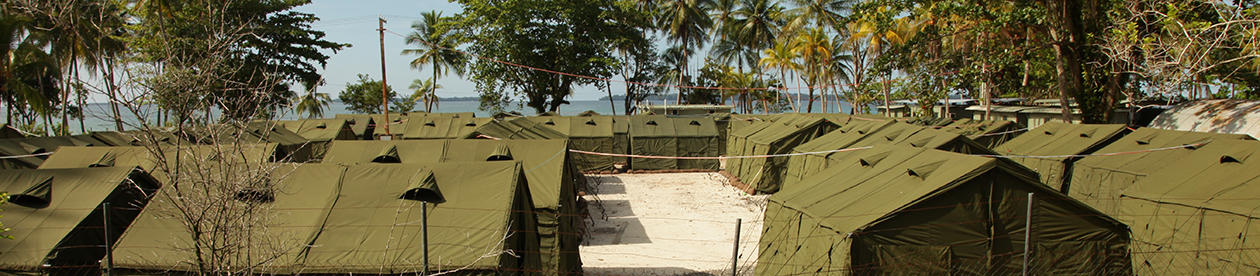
(669, 224)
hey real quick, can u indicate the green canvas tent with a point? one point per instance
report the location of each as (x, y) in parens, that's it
(876, 133)
(661, 135)
(989, 133)
(144, 158)
(515, 128)
(56, 220)
(765, 175)
(621, 138)
(592, 133)
(844, 137)
(333, 219)
(441, 127)
(1100, 180)
(551, 176)
(1056, 139)
(136, 137)
(897, 210)
(375, 126)
(7, 131)
(34, 149)
(320, 132)
(1196, 217)
(290, 146)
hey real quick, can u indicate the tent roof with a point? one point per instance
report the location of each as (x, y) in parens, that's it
(442, 127)
(651, 126)
(844, 137)
(316, 129)
(516, 128)
(37, 145)
(874, 184)
(784, 127)
(142, 157)
(578, 127)
(74, 195)
(1223, 175)
(365, 228)
(973, 128)
(1150, 138)
(545, 160)
(1057, 138)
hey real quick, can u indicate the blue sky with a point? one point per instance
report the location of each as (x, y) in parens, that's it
(354, 22)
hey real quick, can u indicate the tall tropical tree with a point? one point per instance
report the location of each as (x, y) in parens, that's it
(313, 103)
(685, 22)
(783, 59)
(814, 48)
(424, 91)
(435, 42)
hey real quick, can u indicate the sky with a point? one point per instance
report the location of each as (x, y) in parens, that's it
(355, 22)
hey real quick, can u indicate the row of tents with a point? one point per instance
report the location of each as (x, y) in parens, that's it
(905, 198)
(353, 212)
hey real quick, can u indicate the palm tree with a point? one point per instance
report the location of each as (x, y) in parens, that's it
(876, 41)
(814, 48)
(313, 104)
(782, 58)
(816, 13)
(425, 91)
(436, 44)
(685, 22)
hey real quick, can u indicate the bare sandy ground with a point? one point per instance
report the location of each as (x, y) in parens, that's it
(669, 224)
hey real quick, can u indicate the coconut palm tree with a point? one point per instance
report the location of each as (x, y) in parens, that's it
(781, 58)
(435, 47)
(424, 91)
(685, 22)
(313, 104)
(814, 48)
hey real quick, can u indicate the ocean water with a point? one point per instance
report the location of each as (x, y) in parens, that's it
(99, 117)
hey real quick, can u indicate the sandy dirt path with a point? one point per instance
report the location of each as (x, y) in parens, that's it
(669, 224)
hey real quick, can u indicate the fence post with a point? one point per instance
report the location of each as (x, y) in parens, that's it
(735, 251)
(1028, 232)
(109, 248)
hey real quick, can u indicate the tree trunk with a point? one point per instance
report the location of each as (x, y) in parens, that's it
(682, 71)
(113, 95)
(612, 106)
(1066, 36)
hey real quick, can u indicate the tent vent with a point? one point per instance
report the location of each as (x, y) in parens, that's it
(921, 142)
(872, 159)
(924, 170)
(549, 122)
(694, 123)
(37, 196)
(430, 123)
(321, 126)
(106, 160)
(1229, 159)
(471, 124)
(501, 153)
(388, 155)
(590, 122)
(1087, 134)
(651, 123)
(423, 188)
(1049, 133)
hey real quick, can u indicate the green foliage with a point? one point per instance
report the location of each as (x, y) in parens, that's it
(364, 96)
(537, 33)
(252, 51)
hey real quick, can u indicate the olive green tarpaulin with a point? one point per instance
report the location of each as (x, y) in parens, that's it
(291, 147)
(38, 145)
(1198, 216)
(319, 132)
(873, 133)
(375, 124)
(551, 176)
(895, 210)
(592, 133)
(334, 219)
(621, 138)
(1100, 180)
(64, 228)
(7, 131)
(1056, 139)
(989, 133)
(441, 127)
(136, 137)
(144, 158)
(515, 128)
(660, 135)
(765, 175)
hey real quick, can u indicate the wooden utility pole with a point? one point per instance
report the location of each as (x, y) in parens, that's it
(384, 90)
